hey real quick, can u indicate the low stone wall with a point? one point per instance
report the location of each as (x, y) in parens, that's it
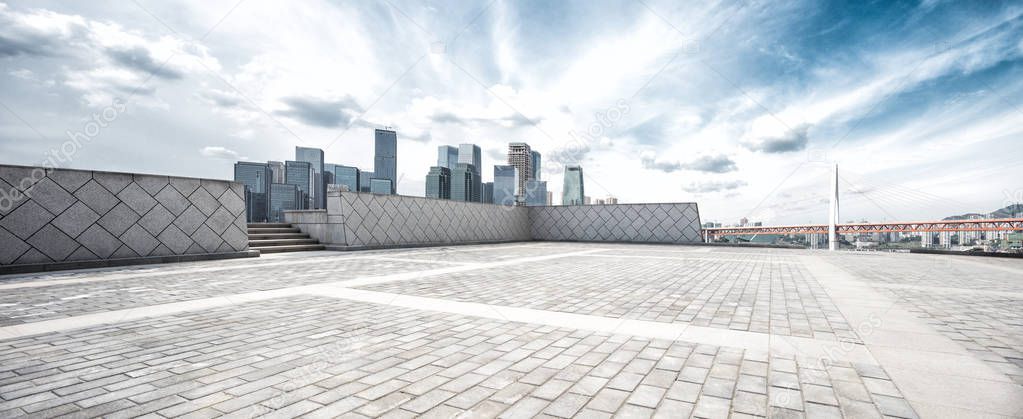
(635, 223)
(56, 216)
(359, 220)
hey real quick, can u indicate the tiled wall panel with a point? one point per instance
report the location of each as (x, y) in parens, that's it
(76, 215)
(641, 223)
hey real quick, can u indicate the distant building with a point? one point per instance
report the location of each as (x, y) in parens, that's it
(550, 198)
(278, 171)
(463, 179)
(301, 174)
(743, 222)
(347, 176)
(573, 192)
(317, 193)
(256, 178)
(536, 193)
(506, 181)
(438, 183)
(520, 156)
(381, 186)
(536, 164)
(611, 200)
(488, 193)
(385, 158)
(599, 201)
(470, 154)
(364, 179)
(586, 200)
(447, 156)
(283, 198)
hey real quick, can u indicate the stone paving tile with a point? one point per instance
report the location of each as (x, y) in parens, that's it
(764, 297)
(933, 270)
(322, 357)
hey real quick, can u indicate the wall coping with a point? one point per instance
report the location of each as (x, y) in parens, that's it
(114, 172)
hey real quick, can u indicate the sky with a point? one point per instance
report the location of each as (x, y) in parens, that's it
(744, 107)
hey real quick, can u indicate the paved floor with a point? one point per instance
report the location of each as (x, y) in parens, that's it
(521, 330)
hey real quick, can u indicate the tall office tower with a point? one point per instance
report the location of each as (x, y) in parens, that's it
(347, 176)
(257, 178)
(488, 193)
(278, 171)
(470, 154)
(447, 156)
(463, 177)
(506, 181)
(438, 183)
(385, 158)
(302, 175)
(283, 197)
(535, 157)
(536, 193)
(364, 180)
(573, 192)
(521, 157)
(381, 186)
(319, 189)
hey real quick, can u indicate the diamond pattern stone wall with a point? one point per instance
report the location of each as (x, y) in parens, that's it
(641, 223)
(65, 215)
(391, 220)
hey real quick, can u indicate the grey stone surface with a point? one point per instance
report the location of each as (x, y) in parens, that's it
(76, 215)
(653, 223)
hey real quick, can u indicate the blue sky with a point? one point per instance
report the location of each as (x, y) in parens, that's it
(740, 106)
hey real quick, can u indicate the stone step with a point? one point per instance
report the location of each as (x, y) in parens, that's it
(282, 242)
(269, 225)
(270, 236)
(273, 230)
(290, 248)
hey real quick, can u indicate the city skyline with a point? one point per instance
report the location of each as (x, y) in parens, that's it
(917, 101)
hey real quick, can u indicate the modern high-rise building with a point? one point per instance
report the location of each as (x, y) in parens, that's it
(550, 198)
(438, 183)
(586, 200)
(506, 181)
(318, 192)
(256, 177)
(278, 171)
(536, 164)
(385, 158)
(381, 186)
(488, 193)
(573, 192)
(302, 175)
(283, 197)
(347, 176)
(447, 156)
(470, 154)
(463, 179)
(536, 193)
(521, 157)
(611, 200)
(364, 181)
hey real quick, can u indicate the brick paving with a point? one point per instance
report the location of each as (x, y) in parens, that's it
(318, 354)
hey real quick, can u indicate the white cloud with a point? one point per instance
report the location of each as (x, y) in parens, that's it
(218, 152)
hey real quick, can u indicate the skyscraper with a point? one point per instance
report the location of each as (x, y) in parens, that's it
(317, 193)
(278, 171)
(573, 192)
(488, 193)
(470, 154)
(463, 179)
(447, 156)
(535, 155)
(521, 157)
(347, 176)
(381, 186)
(506, 181)
(536, 193)
(385, 158)
(302, 175)
(364, 180)
(283, 198)
(438, 183)
(257, 178)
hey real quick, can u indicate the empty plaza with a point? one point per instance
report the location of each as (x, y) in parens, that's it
(528, 329)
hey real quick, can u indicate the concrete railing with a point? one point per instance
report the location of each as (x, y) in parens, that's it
(360, 220)
(60, 218)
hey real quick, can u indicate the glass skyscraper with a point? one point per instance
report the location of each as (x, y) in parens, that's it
(535, 155)
(364, 181)
(277, 167)
(347, 176)
(283, 198)
(301, 174)
(381, 186)
(317, 193)
(506, 183)
(573, 192)
(471, 154)
(438, 183)
(536, 193)
(463, 178)
(257, 178)
(447, 156)
(488, 193)
(385, 160)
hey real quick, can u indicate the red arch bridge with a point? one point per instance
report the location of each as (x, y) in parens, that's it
(944, 226)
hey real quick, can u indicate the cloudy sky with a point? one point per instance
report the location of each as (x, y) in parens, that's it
(741, 106)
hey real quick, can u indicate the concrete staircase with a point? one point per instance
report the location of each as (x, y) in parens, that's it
(280, 237)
